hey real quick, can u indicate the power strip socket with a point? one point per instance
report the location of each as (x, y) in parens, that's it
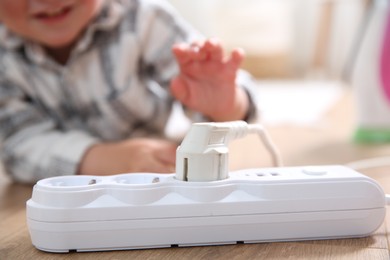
(147, 210)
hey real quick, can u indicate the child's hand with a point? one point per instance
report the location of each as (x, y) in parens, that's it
(132, 155)
(207, 80)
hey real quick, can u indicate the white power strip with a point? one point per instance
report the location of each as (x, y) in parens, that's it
(94, 213)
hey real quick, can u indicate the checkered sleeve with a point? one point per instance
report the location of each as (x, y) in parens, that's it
(32, 148)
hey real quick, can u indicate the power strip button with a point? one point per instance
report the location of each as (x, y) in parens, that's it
(317, 171)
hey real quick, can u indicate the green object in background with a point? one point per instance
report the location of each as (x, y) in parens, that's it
(372, 135)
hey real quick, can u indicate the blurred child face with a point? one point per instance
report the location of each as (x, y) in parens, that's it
(53, 23)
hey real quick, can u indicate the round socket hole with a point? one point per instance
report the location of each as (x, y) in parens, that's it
(70, 181)
(135, 178)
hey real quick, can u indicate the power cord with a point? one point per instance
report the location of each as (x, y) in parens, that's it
(267, 141)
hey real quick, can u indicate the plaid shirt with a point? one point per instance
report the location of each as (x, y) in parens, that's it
(114, 86)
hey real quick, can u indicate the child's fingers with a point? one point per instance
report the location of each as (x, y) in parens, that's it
(167, 153)
(166, 156)
(181, 53)
(211, 49)
(158, 166)
(198, 51)
(236, 57)
(214, 49)
(187, 53)
(197, 44)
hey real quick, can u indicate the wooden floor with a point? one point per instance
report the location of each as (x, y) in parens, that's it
(328, 143)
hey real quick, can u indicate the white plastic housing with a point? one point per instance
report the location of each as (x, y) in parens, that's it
(89, 213)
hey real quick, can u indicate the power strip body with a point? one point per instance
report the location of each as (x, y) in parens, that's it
(146, 210)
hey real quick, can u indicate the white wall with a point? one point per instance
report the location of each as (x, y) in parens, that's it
(288, 27)
(198, 13)
(255, 25)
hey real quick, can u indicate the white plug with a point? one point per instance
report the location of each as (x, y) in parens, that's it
(203, 154)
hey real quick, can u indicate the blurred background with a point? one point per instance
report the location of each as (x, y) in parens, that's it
(304, 54)
(283, 38)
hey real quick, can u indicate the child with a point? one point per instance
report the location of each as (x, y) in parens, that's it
(86, 84)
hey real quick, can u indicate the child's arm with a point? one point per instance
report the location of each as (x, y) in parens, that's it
(33, 148)
(207, 81)
(131, 155)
